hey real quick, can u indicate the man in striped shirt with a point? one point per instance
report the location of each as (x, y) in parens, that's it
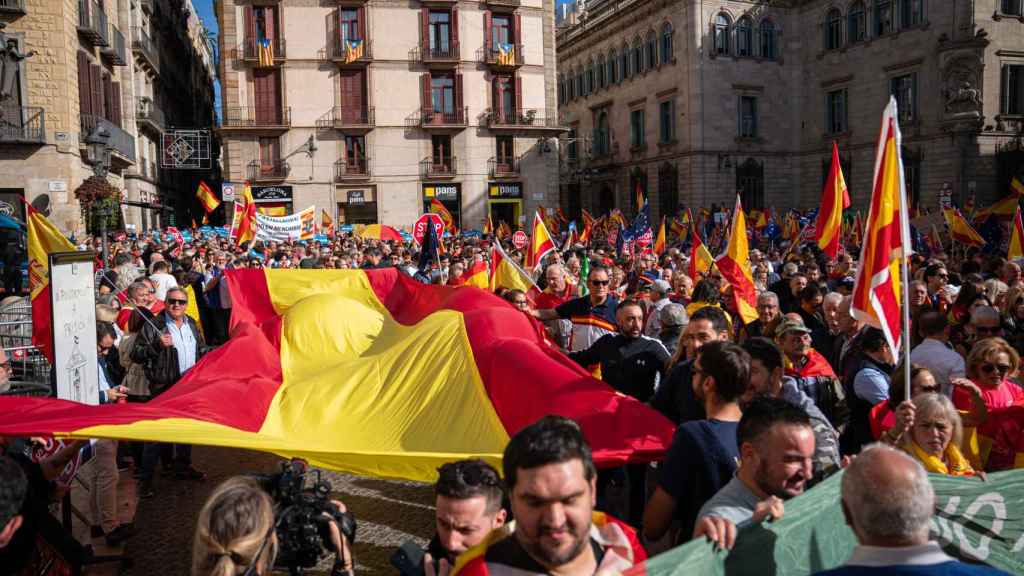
(592, 316)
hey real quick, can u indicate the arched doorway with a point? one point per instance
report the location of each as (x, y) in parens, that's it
(750, 184)
(605, 199)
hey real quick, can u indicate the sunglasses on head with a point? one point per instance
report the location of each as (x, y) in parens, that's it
(989, 367)
(177, 301)
(470, 475)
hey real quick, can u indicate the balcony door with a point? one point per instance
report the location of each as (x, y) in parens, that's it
(501, 30)
(355, 154)
(441, 156)
(270, 156)
(440, 27)
(353, 96)
(350, 24)
(505, 153)
(264, 19)
(505, 99)
(267, 96)
(442, 94)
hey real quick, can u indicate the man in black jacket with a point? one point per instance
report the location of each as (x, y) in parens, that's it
(168, 348)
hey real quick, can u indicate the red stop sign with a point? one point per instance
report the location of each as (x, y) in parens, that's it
(519, 239)
(419, 229)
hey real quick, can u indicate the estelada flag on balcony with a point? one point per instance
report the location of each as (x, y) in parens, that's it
(960, 230)
(506, 54)
(540, 245)
(877, 292)
(735, 267)
(265, 48)
(354, 50)
(1016, 248)
(353, 370)
(437, 207)
(43, 239)
(206, 197)
(834, 199)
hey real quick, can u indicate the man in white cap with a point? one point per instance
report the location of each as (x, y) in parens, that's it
(660, 290)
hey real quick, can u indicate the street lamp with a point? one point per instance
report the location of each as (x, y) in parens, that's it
(98, 154)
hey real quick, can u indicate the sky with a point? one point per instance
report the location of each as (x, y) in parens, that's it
(204, 8)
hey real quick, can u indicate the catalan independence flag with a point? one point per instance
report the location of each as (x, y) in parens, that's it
(265, 52)
(206, 197)
(368, 372)
(506, 54)
(354, 50)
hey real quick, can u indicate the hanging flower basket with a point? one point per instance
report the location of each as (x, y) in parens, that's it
(100, 200)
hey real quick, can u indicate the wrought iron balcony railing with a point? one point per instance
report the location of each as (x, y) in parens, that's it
(503, 167)
(22, 125)
(274, 170)
(92, 22)
(352, 169)
(439, 167)
(120, 141)
(257, 117)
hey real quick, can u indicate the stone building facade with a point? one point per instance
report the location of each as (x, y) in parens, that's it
(83, 75)
(369, 109)
(715, 98)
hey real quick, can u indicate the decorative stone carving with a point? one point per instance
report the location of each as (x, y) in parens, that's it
(961, 88)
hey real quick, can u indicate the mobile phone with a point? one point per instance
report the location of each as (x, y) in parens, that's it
(408, 559)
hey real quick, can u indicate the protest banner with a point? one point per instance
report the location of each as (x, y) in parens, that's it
(298, 226)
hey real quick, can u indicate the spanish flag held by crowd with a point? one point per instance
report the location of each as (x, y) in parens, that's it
(735, 267)
(43, 239)
(352, 370)
(834, 199)
(206, 197)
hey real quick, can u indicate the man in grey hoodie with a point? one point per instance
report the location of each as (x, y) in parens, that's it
(767, 378)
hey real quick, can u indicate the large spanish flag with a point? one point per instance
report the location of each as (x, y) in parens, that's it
(960, 230)
(1016, 248)
(369, 372)
(735, 267)
(43, 239)
(834, 199)
(877, 292)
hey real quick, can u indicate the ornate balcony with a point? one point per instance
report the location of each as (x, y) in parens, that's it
(92, 22)
(439, 167)
(510, 58)
(22, 125)
(503, 167)
(120, 141)
(444, 55)
(249, 51)
(149, 116)
(522, 119)
(349, 54)
(143, 47)
(115, 53)
(276, 170)
(356, 169)
(347, 119)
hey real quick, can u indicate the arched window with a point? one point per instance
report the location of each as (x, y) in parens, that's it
(602, 79)
(722, 24)
(602, 142)
(768, 40)
(666, 43)
(883, 17)
(613, 59)
(744, 37)
(856, 23)
(590, 79)
(561, 89)
(637, 56)
(833, 29)
(651, 51)
(911, 13)
(624, 63)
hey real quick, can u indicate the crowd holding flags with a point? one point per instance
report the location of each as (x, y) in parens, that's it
(735, 267)
(326, 223)
(541, 243)
(834, 199)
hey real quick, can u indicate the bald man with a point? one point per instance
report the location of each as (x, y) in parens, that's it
(888, 502)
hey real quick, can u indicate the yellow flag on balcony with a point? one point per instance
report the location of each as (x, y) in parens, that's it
(265, 52)
(506, 54)
(353, 50)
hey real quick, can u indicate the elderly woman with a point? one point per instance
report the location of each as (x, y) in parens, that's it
(935, 436)
(990, 365)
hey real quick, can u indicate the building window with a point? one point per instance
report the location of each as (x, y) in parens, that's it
(835, 112)
(441, 151)
(911, 13)
(505, 150)
(624, 63)
(667, 121)
(666, 43)
(572, 146)
(668, 190)
(1011, 7)
(856, 23)
(637, 57)
(744, 37)
(602, 79)
(833, 26)
(579, 84)
(561, 90)
(636, 129)
(590, 79)
(442, 94)
(570, 89)
(602, 135)
(349, 20)
(612, 78)
(440, 33)
(651, 51)
(768, 35)
(502, 31)
(1013, 89)
(748, 117)
(722, 24)
(904, 88)
(883, 17)
(912, 175)
(750, 184)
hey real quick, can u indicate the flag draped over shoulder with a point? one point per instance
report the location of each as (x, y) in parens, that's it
(735, 267)
(354, 369)
(834, 199)
(43, 239)
(960, 230)
(877, 292)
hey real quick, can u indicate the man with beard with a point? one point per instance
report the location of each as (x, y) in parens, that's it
(776, 445)
(551, 481)
(674, 397)
(812, 372)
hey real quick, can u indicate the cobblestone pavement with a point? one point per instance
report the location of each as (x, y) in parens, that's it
(387, 512)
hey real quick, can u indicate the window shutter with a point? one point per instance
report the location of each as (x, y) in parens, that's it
(115, 89)
(425, 28)
(250, 24)
(273, 25)
(96, 83)
(518, 32)
(455, 29)
(458, 97)
(488, 34)
(84, 89)
(361, 19)
(519, 95)
(425, 89)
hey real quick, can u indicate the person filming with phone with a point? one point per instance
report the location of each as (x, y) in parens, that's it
(168, 347)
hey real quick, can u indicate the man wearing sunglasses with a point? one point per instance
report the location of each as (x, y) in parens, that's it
(986, 322)
(592, 316)
(936, 278)
(168, 348)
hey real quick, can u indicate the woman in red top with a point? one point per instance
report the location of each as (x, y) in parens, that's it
(889, 426)
(990, 365)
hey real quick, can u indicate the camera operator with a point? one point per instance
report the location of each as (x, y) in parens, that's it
(469, 506)
(237, 532)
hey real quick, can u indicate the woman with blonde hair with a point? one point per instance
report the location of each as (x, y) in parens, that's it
(991, 365)
(235, 532)
(935, 436)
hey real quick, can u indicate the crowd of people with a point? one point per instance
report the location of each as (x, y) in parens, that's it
(764, 410)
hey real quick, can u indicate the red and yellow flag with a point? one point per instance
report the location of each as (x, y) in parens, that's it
(735, 267)
(541, 243)
(700, 259)
(1016, 249)
(505, 273)
(488, 225)
(1004, 208)
(659, 240)
(437, 207)
(834, 199)
(243, 223)
(877, 292)
(1016, 186)
(477, 275)
(246, 194)
(206, 197)
(762, 218)
(960, 230)
(353, 370)
(43, 239)
(858, 230)
(326, 222)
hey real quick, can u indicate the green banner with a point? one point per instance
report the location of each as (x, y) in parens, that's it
(976, 521)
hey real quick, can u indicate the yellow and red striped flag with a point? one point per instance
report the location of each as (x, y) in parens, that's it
(439, 208)
(1016, 186)
(700, 259)
(43, 239)
(505, 273)
(541, 243)
(1016, 249)
(1005, 208)
(477, 275)
(877, 293)
(960, 230)
(488, 225)
(735, 267)
(834, 199)
(247, 194)
(659, 241)
(206, 197)
(243, 223)
(326, 222)
(858, 230)
(588, 227)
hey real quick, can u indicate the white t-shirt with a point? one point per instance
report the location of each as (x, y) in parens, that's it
(162, 282)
